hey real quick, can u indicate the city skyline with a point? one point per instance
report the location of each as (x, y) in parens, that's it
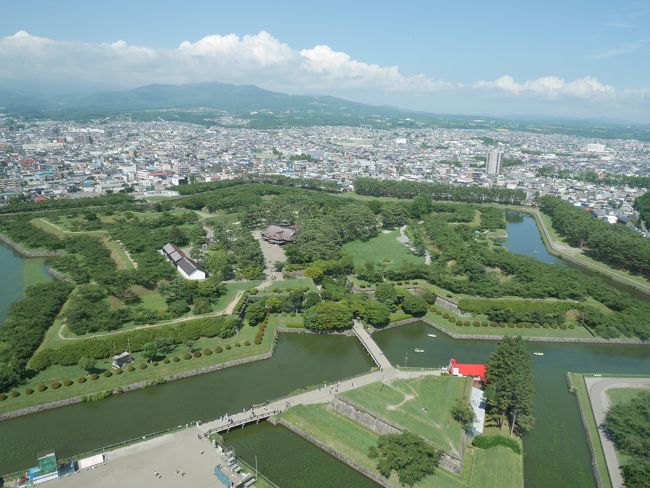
(577, 61)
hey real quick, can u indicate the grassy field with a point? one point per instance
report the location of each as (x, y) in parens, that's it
(481, 468)
(620, 395)
(420, 405)
(278, 320)
(578, 386)
(118, 254)
(231, 291)
(151, 299)
(292, 283)
(151, 373)
(498, 466)
(385, 248)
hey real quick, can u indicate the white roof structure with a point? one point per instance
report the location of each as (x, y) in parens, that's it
(477, 400)
(91, 461)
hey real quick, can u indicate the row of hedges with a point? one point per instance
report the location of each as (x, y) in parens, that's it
(510, 310)
(511, 325)
(100, 348)
(259, 336)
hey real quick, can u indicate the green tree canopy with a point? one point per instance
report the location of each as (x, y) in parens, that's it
(328, 316)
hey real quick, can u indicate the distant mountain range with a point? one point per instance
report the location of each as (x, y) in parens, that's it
(208, 103)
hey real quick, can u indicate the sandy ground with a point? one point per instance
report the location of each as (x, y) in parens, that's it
(135, 465)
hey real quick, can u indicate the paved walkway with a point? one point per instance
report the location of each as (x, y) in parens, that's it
(600, 403)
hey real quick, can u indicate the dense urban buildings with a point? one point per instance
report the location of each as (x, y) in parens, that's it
(54, 159)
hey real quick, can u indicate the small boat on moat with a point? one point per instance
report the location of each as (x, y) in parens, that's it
(419, 350)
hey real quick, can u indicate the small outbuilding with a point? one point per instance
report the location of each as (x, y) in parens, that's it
(120, 360)
(476, 371)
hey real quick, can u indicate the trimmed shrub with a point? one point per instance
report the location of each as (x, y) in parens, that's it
(93, 377)
(237, 344)
(445, 315)
(14, 394)
(228, 348)
(118, 371)
(218, 349)
(528, 325)
(493, 324)
(67, 382)
(207, 352)
(537, 325)
(488, 441)
(477, 323)
(519, 325)
(187, 355)
(197, 354)
(572, 326)
(55, 385)
(29, 391)
(510, 325)
(166, 361)
(81, 379)
(142, 365)
(247, 342)
(452, 320)
(42, 388)
(130, 368)
(155, 363)
(3, 397)
(107, 374)
(176, 359)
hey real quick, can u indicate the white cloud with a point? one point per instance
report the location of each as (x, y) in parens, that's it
(264, 60)
(622, 49)
(551, 87)
(260, 58)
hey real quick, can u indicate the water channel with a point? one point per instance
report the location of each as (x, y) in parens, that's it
(557, 453)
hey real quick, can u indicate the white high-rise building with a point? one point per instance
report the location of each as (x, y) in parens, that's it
(493, 162)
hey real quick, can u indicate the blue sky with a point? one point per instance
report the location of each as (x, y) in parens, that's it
(571, 58)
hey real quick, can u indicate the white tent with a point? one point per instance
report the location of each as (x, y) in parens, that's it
(91, 461)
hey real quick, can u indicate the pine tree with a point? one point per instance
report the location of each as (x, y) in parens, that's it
(510, 389)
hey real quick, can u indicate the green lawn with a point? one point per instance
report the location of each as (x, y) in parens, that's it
(291, 283)
(420, 405)
(151, 373)
(385, 248)
(577, 382)
(497, 467)
(279, 320)
(353, 441)
(620, 395)
(151, 299)
(231, 291)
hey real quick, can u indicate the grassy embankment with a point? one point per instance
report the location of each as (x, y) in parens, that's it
(58, 334)
(151, 373)
(498, 466)
(118, 254)
(577, 255)
(577, 383)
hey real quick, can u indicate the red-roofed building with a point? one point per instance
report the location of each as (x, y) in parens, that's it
(477, 371)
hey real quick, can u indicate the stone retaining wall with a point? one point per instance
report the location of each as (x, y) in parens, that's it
(24, 252)
(451, 306)
(382, 426)
(373, 476)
